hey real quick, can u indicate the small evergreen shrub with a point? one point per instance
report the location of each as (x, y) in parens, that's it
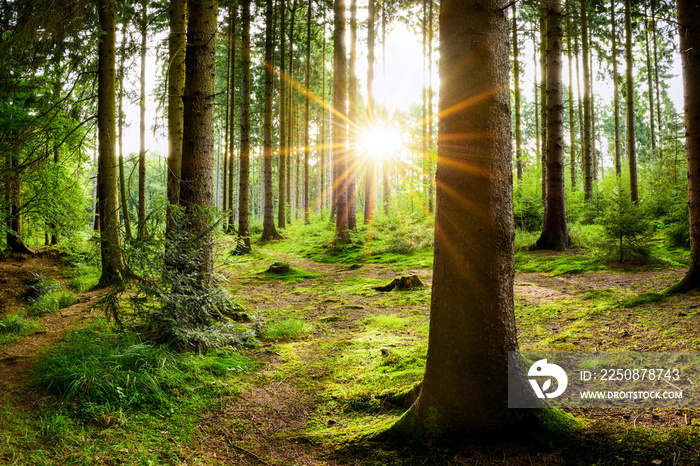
(528, 210)
(625, 229)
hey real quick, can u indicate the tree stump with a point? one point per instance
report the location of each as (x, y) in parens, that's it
(402, 283)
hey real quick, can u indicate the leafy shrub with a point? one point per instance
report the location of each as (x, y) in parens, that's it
(51, 302)
(528, 210)
(15, 324)
(40, 286)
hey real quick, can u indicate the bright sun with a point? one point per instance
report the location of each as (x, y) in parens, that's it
(380, 141)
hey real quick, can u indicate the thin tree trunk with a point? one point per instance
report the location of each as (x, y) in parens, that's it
(650, 85)
(323, 189)
(269, 230)
(340, 124)
(371, 163)
(516, 81)
(307, 122)
(616, 92)
(228, 119)
(431, 189)
(587, 107)
(120, 118)
(656, 77)
(291, 149)
(232, 118)
(282, 184)
(141, 234)
(244, 184)
(543, 96)
(572, 129)
(351, 156)
(536, 92)
(554, 232)
(631, 140)
(424, 103)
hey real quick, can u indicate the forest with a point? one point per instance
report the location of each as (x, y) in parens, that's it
(329, 232)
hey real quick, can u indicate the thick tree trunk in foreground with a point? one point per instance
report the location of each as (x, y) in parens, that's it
(689, 29)
(340, 133)
(269, 230)
(197, 188)
(472, 324)
(554, 233)
(244, 183)
(107, 158)
(176, 87)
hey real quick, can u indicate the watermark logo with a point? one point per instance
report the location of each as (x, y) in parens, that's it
(543, 369)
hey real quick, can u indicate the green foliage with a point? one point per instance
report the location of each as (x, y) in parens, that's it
(528, 209)
(15, 324)
(625, 229)
(45, 296)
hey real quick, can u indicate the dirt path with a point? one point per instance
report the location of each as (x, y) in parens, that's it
(17, 358)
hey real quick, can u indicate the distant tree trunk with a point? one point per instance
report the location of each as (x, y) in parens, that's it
(472, 325)
(587, 107)
(340, 198)
(244, 191)
(307, 121)
(424, 103)
(371, 163)
(176, 86)
(282, 184)
(656, 76)
(13, 198)
(231, 125)
(107, 159)
(322, 184)
(577, 48)
(650, 82)
(351, 156)
(141, 234)
(689, 30)
(120, 119)
(554, 232)
(536, 92)
(227, 119)
(269, 230)
(631, 140)
(616, 91)
(572, 129)
(290, 113)
(516, 81)
(196, 194)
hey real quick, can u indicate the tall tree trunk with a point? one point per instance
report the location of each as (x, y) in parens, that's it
(543, 95)
(322, 184)
(631, 140)
(650, 82)
(282, 184)
(656, 77)
(141, 234)
(431, 184)
(269, 230)
(577, 49)
(351, 157)
(587, 107)
(107, 159)
(516, 81)
(244, 184)
(536, 92)
(371, 163)
(307, 122)
(689, 31)
(572, 129)
(472, 324)
(340, 199)
(554, 232)
(290, 113)
(228, 119)
(424, 103)
(176, 86)
(120, 119)
(232, 118)
(616, 92)
(196, 194)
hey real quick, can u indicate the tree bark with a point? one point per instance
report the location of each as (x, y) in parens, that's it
(232, 119)
(340, 198)
(196, 194)
(650, 82)
(572, 129)
(282, 184)
(244, 184)
(371, 163)
(351, 156)
(307, 122)
(176, 86)
(689, 31)
(631, 140)
(472, 323)
(269, 230)
(554, 232)
(120, 119)
(616, 92)
(107, 159)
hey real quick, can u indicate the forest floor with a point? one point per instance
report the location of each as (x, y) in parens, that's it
(341, 350)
